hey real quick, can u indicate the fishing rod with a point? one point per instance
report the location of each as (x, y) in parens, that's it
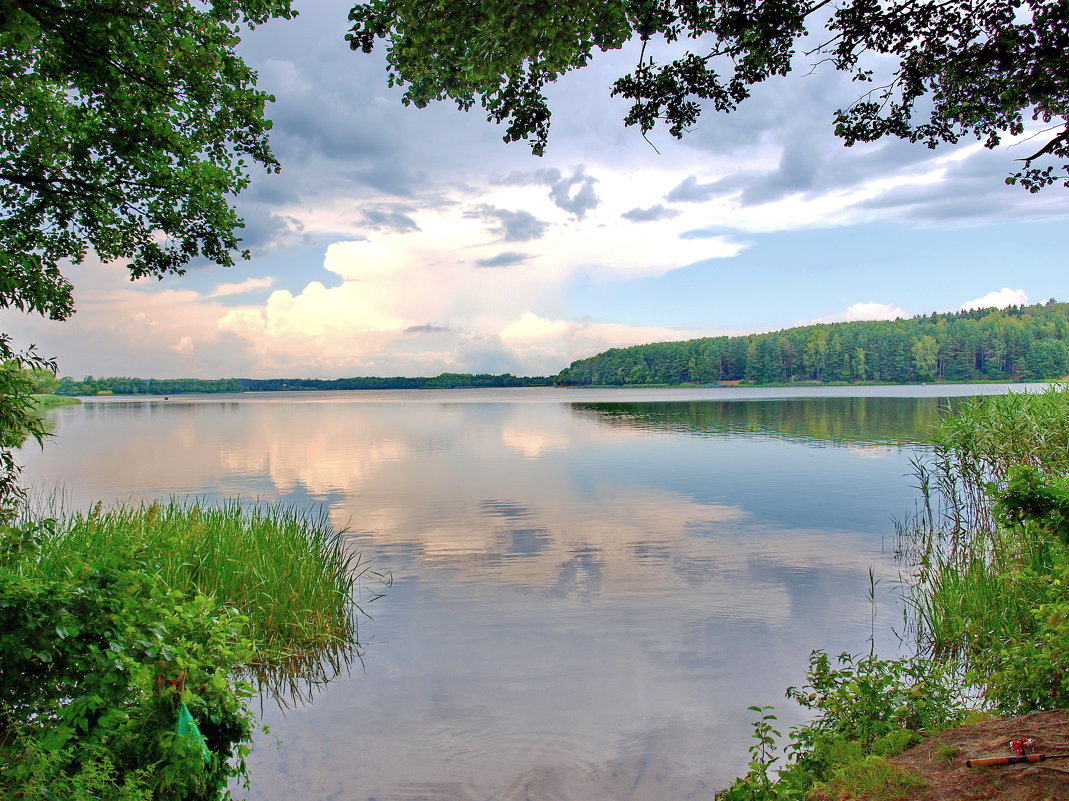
(1012, 760)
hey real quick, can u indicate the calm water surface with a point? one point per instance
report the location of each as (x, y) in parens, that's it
(589, 586)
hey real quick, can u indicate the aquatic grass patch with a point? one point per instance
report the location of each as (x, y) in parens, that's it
(972, 580)
(977, 443)
(48, 401)
(961, 603)
(988, 557)
(289, 572)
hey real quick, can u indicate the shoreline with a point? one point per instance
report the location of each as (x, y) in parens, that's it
(801, 385)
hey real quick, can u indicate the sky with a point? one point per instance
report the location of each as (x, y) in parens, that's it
(404, 241)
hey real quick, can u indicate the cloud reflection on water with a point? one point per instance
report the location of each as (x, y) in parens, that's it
(585, 599)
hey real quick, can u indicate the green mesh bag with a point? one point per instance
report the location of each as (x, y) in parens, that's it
(187, 727)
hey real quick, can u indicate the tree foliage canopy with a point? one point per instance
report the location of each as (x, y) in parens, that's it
(935, 70)
(125, 126)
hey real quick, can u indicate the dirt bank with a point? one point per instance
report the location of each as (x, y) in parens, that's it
(940, 760)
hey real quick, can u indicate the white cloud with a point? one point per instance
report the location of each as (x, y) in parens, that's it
(410, 308)
(998, 299)
(248, 285)
(874, 311)
(133, 328)
(184, 346)
(417, 302)
(864, 310)
(557, 343)
(532, 328)
(462, 228)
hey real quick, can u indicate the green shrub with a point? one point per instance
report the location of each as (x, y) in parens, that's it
(111, 621)
(1034, 498)
(95, 667)
(867, 708)
(867, 699)
(1026, 672)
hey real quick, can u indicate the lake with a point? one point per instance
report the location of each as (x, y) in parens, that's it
(589, 587)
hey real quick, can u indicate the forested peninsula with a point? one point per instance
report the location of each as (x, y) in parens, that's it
(1011, 344)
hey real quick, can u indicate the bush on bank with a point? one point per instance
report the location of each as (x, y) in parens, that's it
(113, 620)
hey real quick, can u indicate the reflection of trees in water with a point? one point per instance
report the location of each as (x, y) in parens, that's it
(885, 421)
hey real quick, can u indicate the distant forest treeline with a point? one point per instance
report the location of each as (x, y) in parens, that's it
(178, 386)
(1018, 342)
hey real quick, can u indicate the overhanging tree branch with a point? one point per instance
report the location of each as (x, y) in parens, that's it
(956, 67)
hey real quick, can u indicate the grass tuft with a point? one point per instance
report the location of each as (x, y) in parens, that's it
(290, 573)
(972, 581)
(977, 585)
(47, 401)
(872, 778)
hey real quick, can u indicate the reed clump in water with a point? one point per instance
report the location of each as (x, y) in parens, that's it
(979, 443)
(290, 573)
(981, 587)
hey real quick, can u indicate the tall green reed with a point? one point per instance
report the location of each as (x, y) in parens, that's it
(291, 573)
(973, 583)
(982, 438)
